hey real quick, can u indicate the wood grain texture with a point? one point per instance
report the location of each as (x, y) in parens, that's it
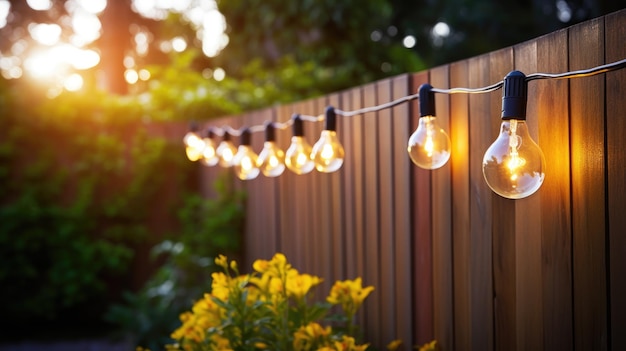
(348, 176)
(552, 103)
(387, 231)
(588, 188)
(337, 206)
(358, 139)
(402, 211)
(528, 231)
(372, 216)
(503, 223)
(422, 234)
(481, 282)
(615, 37)
(443, 303)
(459, 159)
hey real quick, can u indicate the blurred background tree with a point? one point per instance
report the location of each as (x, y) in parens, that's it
(261, 51)
(82, 81)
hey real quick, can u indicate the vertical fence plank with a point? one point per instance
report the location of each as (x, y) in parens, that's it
(615, 26)
(311, 212)
(360, 159)
(459, 159)
(254, 213)
(442, 223)
(337, 206)
(588, 195)
(372, 212)
(422, 236)
(481, 283)
(402, 211)
(290, 238)
(551, 99)
(503, 222)
(348, 180)
(528, 234)
(385, 199)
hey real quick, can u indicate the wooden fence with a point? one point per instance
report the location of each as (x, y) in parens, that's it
(451, 260)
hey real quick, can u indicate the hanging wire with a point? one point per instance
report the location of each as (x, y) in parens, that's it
(378, 107)
(487, 89)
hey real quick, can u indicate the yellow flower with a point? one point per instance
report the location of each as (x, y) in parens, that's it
(276, 267)
(431, 346)
(392, 346)
(350, 294)
(222, 261)
(348, 344)
(298, 285)
(307, 336)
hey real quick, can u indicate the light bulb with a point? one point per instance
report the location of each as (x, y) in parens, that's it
(209, 154)
(245, 161)
(429, 145)
(514, 166)
(271, 160)
(226, 151)
(194, 145)
(328, 152)
(298, 155)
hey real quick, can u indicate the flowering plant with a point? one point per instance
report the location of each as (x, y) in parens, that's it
(270, 309)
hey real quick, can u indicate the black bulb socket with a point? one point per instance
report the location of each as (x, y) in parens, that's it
(514, 96)
(270, 131)
(298, 127)
(426, 100)
(330, 121)
(245, 137)
(226, 136)
(194, 127)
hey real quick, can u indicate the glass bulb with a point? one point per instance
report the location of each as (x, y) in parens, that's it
(298, 156)
(226, 151)
(194, 146)
(327, 152)
(209, 155)
(514, 166)
(271, 160)
(245, 163)
(429, 145)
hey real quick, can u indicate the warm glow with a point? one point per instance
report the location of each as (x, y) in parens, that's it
(301, 159)
(131, 76)
(84, 59)
(5, 8)
(327, 152)
(86, 26)
(429, 145)
(44, 33)
(297, 157)
(144, 74)
(179, 44)
(39, 5)
(271, 160)
(204, 17)
(43, 64)
(219, 74)
(74, 82)
(93, 6)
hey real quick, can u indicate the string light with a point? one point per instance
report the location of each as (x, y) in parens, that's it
(272, 158)
(328, 152)
(513, 166)
(298, 155)
(245, 161)
(209, 154)
(226, 151)
(429, 145)
(193, 144)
